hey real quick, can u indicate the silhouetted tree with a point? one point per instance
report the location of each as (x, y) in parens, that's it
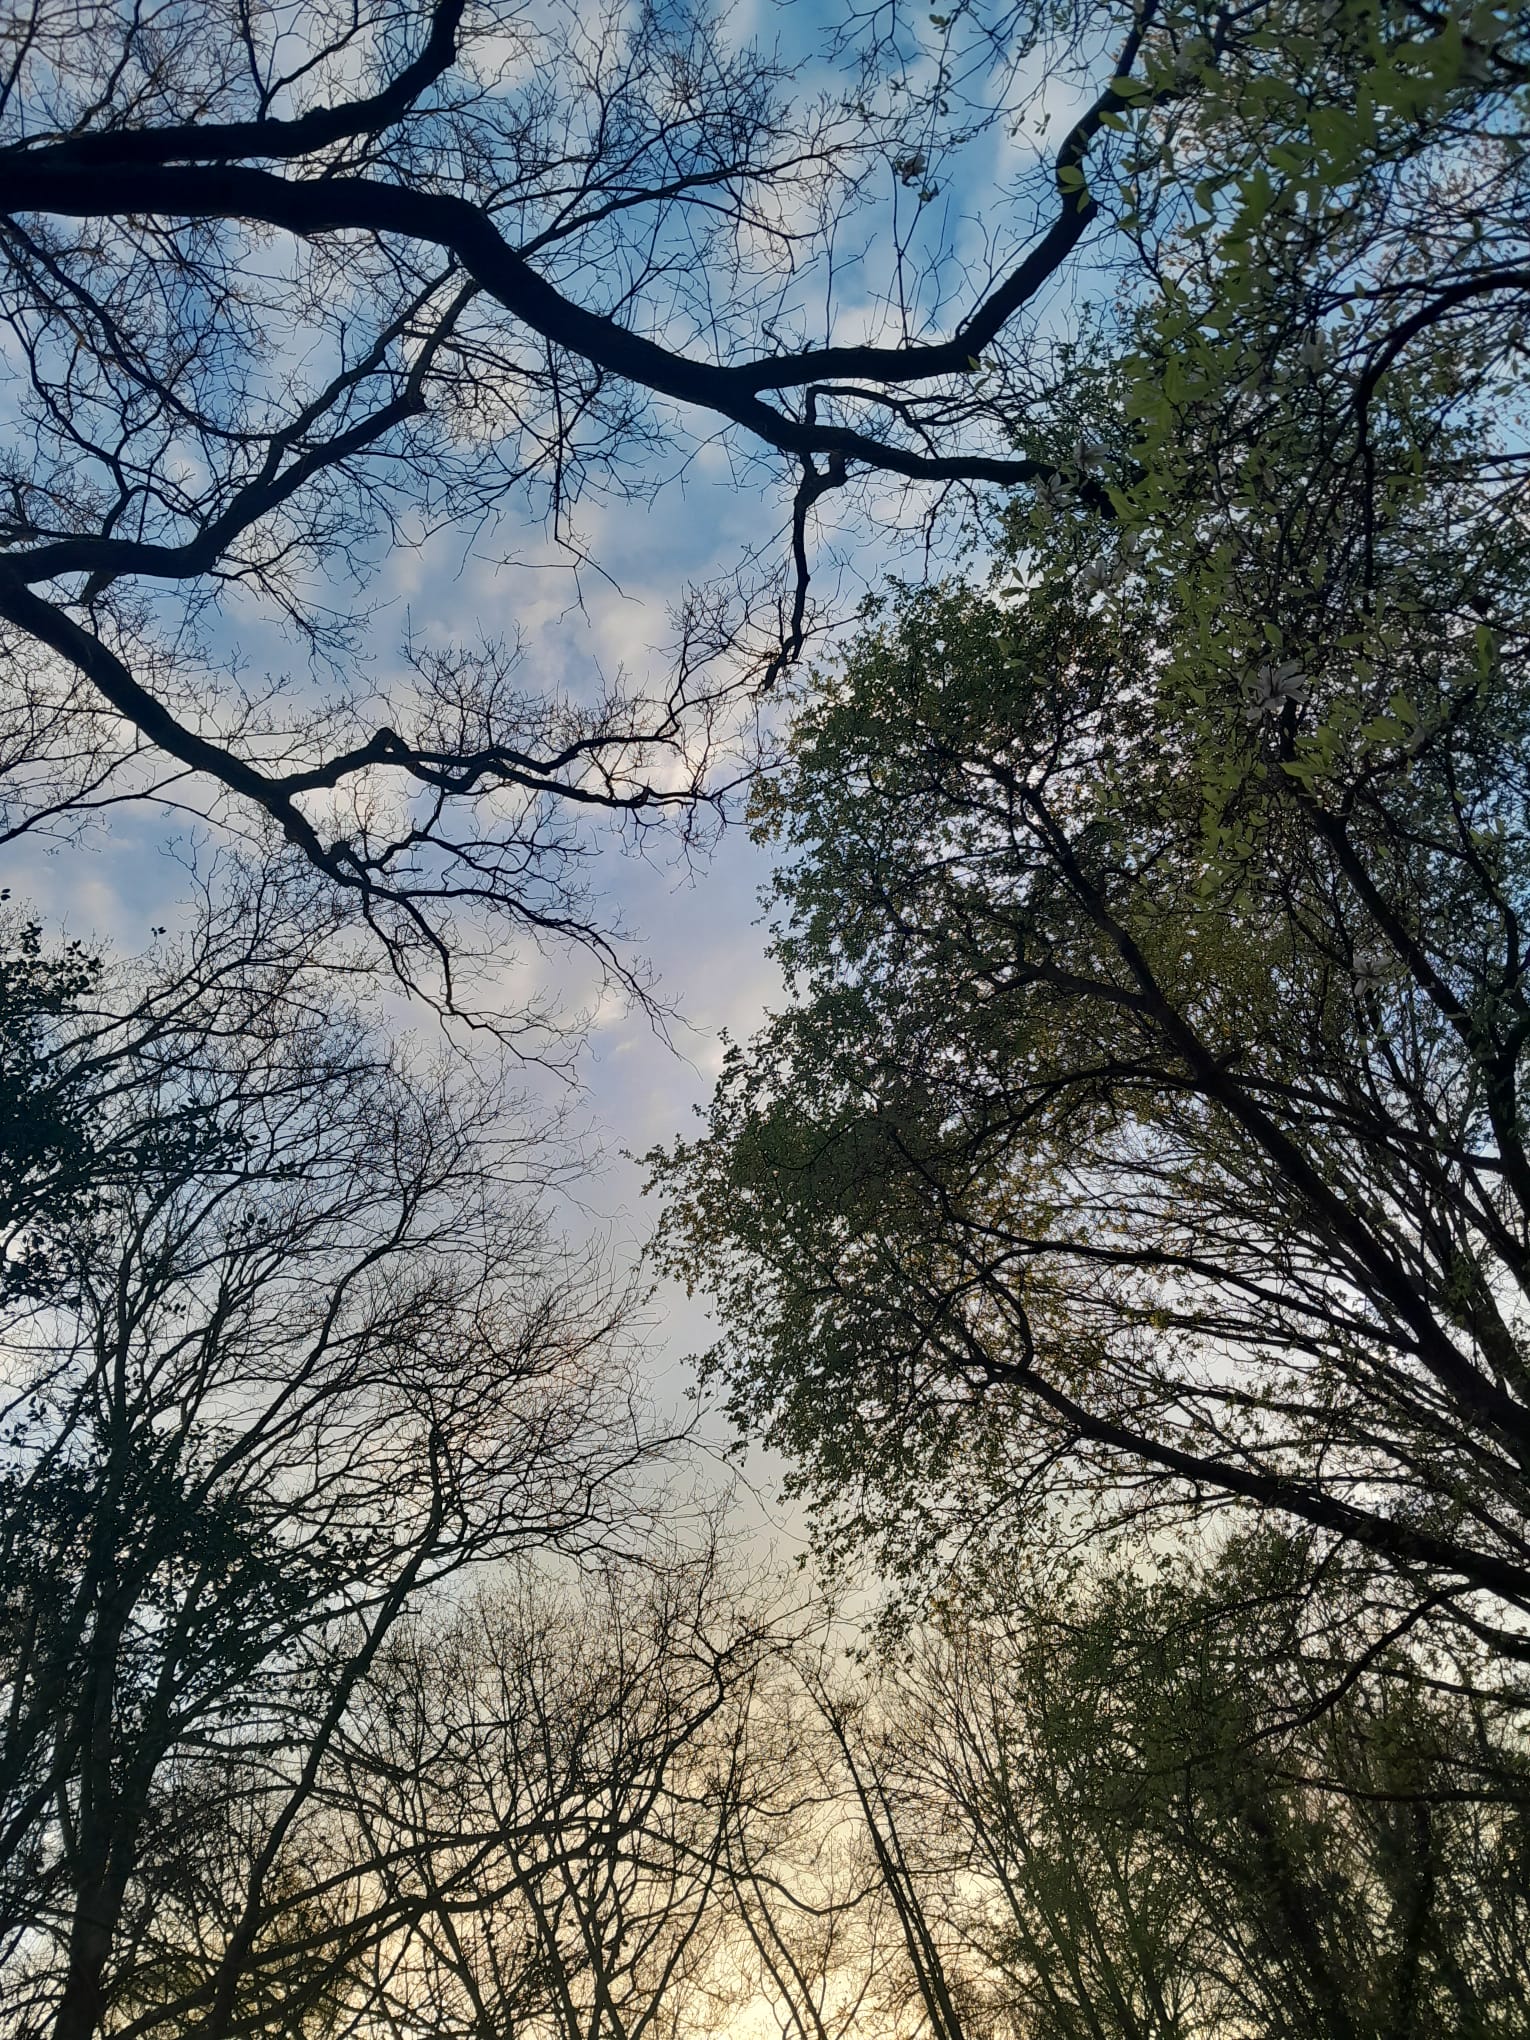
(306, 1349)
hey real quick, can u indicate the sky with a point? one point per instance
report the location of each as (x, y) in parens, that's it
(697, 923)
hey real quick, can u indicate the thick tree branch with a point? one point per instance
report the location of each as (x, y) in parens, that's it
(1401, 1542)
(101, 666)
(320, 128)
(56, 180)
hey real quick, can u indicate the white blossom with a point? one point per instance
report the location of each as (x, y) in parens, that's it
(1094, 578)
(1055, 495)
(1273, 686)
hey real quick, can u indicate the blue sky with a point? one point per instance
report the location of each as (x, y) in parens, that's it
(696, 923)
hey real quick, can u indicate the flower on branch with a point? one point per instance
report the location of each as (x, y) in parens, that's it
(1055, 496)
(1274, 685)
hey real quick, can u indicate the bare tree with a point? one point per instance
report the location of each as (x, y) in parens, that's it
(305, 1349)
(550, 1784)
(288, 287)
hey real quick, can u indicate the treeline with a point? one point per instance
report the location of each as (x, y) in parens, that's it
(367, 1669)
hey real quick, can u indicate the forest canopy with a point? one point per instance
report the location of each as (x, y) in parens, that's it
(289, 290)
(1119, 1230)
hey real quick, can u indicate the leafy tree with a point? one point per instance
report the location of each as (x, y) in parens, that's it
(1120, 1802)
(1094, 1151)
(43, 1134)
(1150, 1121)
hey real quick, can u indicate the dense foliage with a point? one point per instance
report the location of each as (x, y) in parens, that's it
(1148, 1125)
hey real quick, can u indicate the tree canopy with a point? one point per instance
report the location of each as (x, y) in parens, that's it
(287, 290)
(1149, 1117)
(1123, 1226)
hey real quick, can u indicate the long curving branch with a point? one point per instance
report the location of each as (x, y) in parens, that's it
(321, 174)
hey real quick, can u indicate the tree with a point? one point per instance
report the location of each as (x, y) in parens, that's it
(42, 1136)
(306, 1351)
(1088, 1159)
(550, 1785)
(288, 288)
(493, 239)
(1118, 1802)
(1151, 1119)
